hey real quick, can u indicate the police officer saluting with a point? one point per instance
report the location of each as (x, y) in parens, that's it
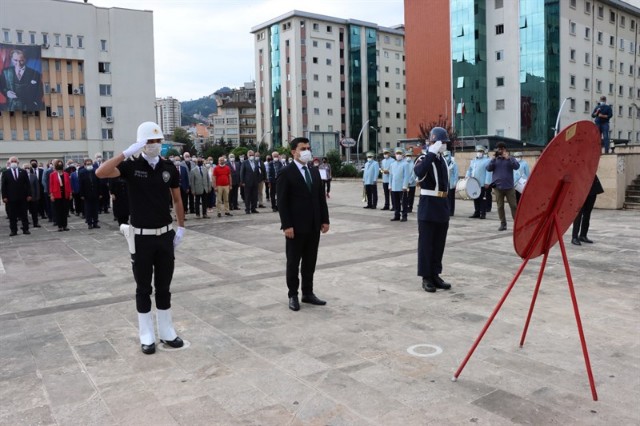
(433, 210)
(152, 183)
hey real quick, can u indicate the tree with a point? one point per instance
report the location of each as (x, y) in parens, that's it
(172, 152)
(335, 161)
(180, 135)
(241, 150)
(425, 129)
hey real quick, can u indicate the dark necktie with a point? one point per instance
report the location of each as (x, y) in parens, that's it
(307, 177)
(200, 167)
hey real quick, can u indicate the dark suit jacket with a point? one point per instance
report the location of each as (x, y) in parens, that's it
(28, 90)
(235, 173)
(15, 190)
(251, 177)
(184, 178)
(300, 208)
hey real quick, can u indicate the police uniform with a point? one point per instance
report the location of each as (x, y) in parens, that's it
(452, 166)
(410, 195)
(433, 215)
(385, 164)
(478, 170)
(398, 183)
(370, 180)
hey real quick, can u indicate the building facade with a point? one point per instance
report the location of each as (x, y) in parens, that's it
(93, 98)
(235, 123)
(168, 114)
(514, 63)
(328, 78)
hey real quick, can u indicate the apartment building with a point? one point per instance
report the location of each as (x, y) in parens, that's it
(235, 122)
(329, 78)
(97, 78)
(514, 63)
(168, 114)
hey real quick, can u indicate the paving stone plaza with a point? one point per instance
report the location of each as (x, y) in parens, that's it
(381, 352)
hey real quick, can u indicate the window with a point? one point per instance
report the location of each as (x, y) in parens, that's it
(611, 63)
(329, 29)
(316, 111)
(72, 111)
(19, 36)
(398, 100)
(315, 43)
(316, 128)
(398, 71)
(500, 29)
(387, 39)
(599, 61)
(315, 77)
(572, 80)
(386, 69)
(622, 21)
(587, 58)
(587, 33)
(386, 99)
(620, 90)
(328, 45)
(572, 104)
(587, 84)
(600, 37)
(69, 41)
(32, 38)
(619, 110)
(315, 26)
(80, 42)
(499, 81)
(599, 86)
(58, 65)
(107, 133)
(621, 68)
(106, 111)
(587, 7)
(83, 111)
(587, 106)
(611, 88)
(612, 16)
(572, 55)
(5, 36)
(572, 28)
(600, 12)
(633, 25)
(328, 61)
(103, 45)
(315, 59)
(499, 104)
(329, 111)
(622, 44)
(398, 86)
(631, 70)
(80, 66)
(612, 41)
(499, 4)
(60, 111)
(69, 66)
(105, 90)
(329, 79)
(572, 4)
(499, 55)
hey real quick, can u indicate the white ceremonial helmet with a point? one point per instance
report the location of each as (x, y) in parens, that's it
(149, 130)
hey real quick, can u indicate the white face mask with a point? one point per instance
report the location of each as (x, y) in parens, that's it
(176, 163)
(13, 165)
(398, 157)
(305, 156)
(386, 156)
(369, 158)
(89, 168)
(152, 149)
(442, 149)
(242, 158)
(290, 160)
(519, 158)
(479, 154)
(251, 158)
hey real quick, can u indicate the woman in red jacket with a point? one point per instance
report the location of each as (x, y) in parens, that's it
(60, 192)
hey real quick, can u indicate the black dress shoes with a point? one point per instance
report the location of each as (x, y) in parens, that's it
(294, 305)
(255, 211)
(385, 208)
(149, 349)
(13, 234)
(404, 219)
(26, 232)
(483, 215)
(576, 242)
(175, 343)
(395, 219)
(474, 216)
(440, 283)
(428, 285)
(503, 227)
(586, 240)
(312, 299)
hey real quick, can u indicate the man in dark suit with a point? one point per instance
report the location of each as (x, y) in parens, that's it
(303, 215)
(250, 177)
(235, 182)
(581, 222)
(21, 85)
(16, 193)
(272, 174)
(38, 172)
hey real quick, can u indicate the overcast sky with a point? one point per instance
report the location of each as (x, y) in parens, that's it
(203, 45)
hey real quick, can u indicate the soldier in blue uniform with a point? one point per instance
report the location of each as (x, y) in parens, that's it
(385, 164)
(478, 169)
(410, 195)
(370, 180)
(433, 210)
(452, 166)
(399, 183)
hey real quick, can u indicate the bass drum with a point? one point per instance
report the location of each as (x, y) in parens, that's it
(468, 189)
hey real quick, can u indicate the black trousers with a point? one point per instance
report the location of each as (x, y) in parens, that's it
(385, 189)
(581, 222)
(372, 195)
(154, 258)
(17, 210)
(250, 197)
(274, 201)
(48, 207)
(41, 204)
(432, 237)
(32, 207)
(267, 190)
(201, 199)
(105, 201)
(451, 196)
(327, 186)
(410, 196)
(233, 197)
(399, 201)
(302, 254)
(185, 200)
(488, 195)
(79, 204)
(91, 206)
(61, 206)
(192, 204)
(480, 203)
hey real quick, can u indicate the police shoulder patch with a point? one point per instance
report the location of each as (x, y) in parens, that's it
(166, 176)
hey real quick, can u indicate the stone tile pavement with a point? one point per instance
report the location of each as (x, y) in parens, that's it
(69, 353)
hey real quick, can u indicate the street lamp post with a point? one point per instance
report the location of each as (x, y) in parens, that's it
(262, 138)
(557, 128)
(633, 121)
(364, 126)
(376, 141)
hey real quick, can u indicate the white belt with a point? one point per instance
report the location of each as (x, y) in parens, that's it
(434, 193)
(157, 231)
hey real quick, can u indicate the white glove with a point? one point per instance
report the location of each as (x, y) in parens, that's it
(435, 148)
(134, 149)
(178, 238)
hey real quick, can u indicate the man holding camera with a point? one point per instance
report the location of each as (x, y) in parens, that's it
(602, 114)
(502, 166)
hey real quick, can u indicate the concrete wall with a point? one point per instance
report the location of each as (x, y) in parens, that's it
(615, 171)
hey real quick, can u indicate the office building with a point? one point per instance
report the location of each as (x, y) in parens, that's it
(97, 78)
(513, 63)
(328, 78)
(235, 123)
(168, 114)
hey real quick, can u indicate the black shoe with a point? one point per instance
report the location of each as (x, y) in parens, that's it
(261, 206)
(586, 240)
(274, 210)
(149, 349)
(312, 299)
(440, 283)
(96, 226)
(65, 229)
(219, 214)
(90, 226)
(294, 305)
(13, 234)
(395, 219)
(576, 242)
(366, 207)
(428, 286)
(503, 227)
(59, 229)
(255, 211)
(248, 212)
(37, 226)
(385, 208)
(205, 216)
(404, 219)
(228, 214)
(483, 215)
(175, 343)
(475, 216)
(26, 232)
